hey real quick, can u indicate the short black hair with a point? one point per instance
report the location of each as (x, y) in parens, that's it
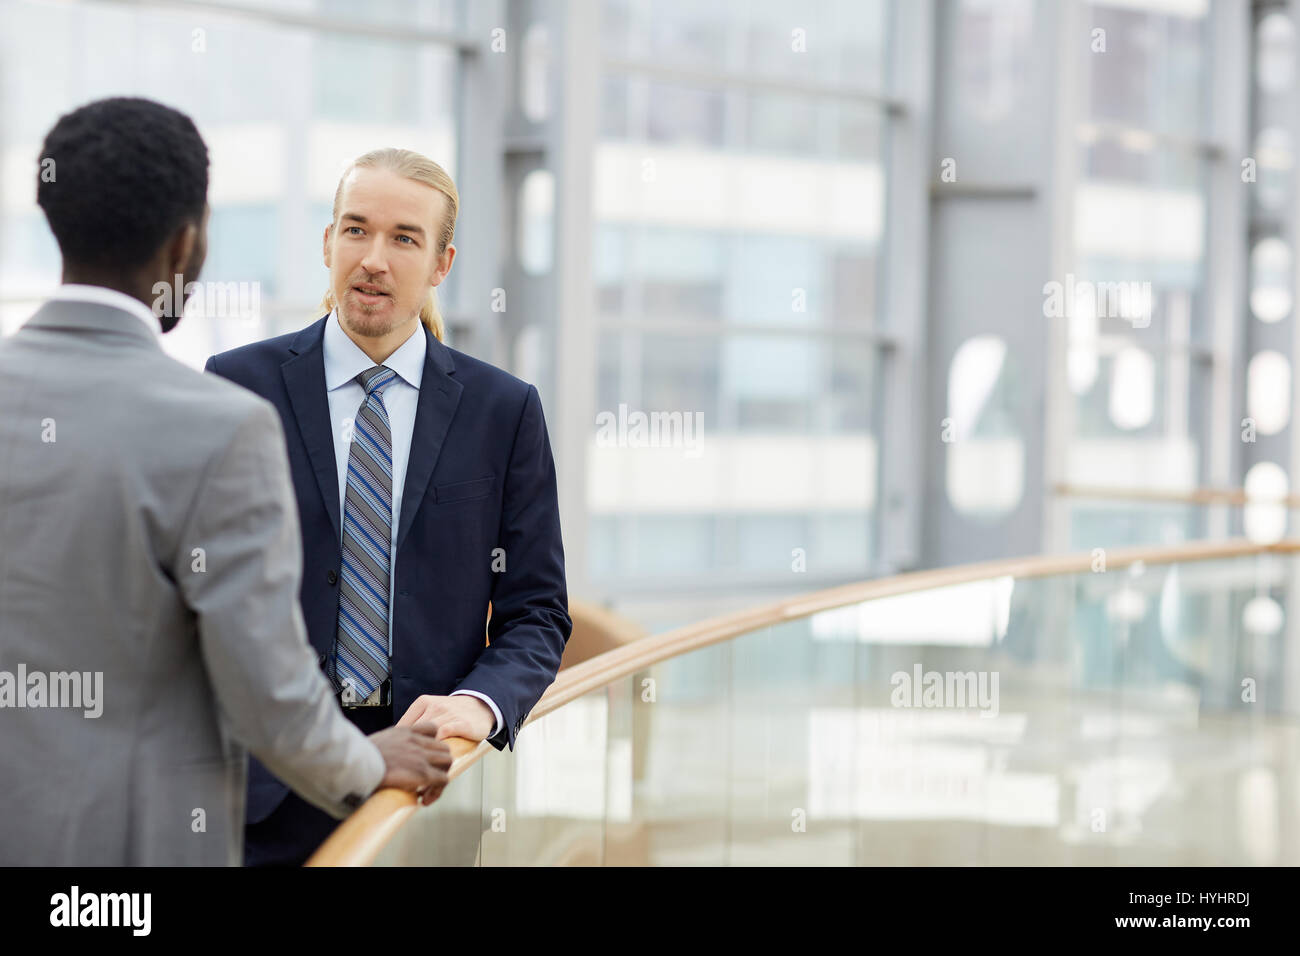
(126, 174)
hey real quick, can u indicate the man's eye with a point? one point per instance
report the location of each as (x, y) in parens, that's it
(350, 228)
(408, 239)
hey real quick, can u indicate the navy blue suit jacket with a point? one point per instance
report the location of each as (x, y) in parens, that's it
(480, 477)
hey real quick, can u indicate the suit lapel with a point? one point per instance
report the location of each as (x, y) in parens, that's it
(439, 396)
(304, 378)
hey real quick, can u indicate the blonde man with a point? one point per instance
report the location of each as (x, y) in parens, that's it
(425, 488)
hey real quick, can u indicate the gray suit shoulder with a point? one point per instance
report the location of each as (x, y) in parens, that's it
(215, 406)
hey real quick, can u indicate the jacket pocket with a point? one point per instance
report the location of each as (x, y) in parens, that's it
(462, 490)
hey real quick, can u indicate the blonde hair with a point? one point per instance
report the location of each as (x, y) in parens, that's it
(420, 169)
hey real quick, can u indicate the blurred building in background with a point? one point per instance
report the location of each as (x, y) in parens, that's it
(894, 284)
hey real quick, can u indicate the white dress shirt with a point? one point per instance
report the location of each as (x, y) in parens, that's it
(75, 292)
(344, 361)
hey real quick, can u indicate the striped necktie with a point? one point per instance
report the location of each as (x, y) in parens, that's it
(361, 653)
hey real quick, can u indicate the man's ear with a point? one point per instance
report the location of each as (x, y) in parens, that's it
(442, 265)
(326, 244)
(180, 251)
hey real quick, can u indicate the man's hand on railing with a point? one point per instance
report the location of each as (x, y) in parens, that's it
(414, 760)
(458, 715)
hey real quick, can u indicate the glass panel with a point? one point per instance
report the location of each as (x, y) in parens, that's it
(658, 273)
(1142, 521)
(1127, 715)
(547, 805)
(1138, 422)
(784, 683)
(1140, 332)
(1148, 63)
(838, 42)
(536, 227)
(683, 798)
(730, 221)
(1130, 524)
(1140, 234)
(275, 159)
(448, 832)
(727, 453)
(426, 14)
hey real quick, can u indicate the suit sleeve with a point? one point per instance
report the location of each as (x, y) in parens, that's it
(244, 594)
(530, 621)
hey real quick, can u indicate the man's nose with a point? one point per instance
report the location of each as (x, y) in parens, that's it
(374, 260)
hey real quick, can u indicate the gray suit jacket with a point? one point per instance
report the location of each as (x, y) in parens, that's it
(149, 542)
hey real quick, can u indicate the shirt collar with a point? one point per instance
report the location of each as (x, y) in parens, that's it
(344, 360)
(99, 295)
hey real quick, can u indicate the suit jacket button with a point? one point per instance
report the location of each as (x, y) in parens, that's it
(331, 577)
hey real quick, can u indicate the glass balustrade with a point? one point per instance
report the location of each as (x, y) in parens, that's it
(1142, 714)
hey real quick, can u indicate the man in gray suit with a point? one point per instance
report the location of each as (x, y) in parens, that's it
(150, 628)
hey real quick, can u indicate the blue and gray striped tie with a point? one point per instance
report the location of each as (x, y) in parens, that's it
(362, 648)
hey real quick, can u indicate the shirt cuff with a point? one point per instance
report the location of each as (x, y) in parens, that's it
(496, 712)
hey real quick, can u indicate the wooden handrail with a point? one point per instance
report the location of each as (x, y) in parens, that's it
(358, 840)
(1191, 496)
(363, 834)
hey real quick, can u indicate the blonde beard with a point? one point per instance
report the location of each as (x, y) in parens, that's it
(359, 321)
